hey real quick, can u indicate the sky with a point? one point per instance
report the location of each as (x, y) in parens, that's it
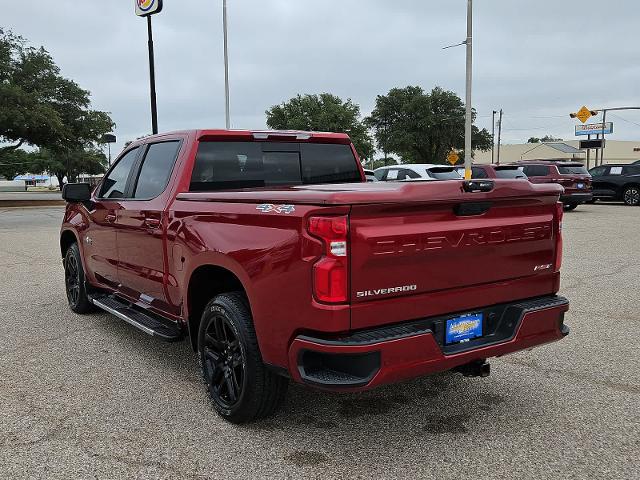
(538, 61)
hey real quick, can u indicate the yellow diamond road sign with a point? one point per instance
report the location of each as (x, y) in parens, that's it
(453, 158)
(583, 114)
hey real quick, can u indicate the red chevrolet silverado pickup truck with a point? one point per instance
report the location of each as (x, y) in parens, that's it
(274, 257)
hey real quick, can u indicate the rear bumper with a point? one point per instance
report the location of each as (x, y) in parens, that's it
(380, 356)
(576, 197)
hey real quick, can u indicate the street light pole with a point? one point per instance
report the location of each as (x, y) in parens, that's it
(226, 65)
(493, 135)
(468, 117)
(152, 80)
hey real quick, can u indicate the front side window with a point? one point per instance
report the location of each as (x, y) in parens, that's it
(156, 169)
(597, 171)
(115, 184)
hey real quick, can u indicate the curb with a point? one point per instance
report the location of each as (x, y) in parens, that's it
(31, 203)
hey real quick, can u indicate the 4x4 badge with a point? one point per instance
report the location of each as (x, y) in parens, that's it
(269, 207)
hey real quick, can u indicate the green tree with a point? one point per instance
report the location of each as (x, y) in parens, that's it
(423, 127)
(322, 113)
(546, 138)
(69, 164)
(39, 107)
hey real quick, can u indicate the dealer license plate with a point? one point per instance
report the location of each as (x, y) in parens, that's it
(464, 328)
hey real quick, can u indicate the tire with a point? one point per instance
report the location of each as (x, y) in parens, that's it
(240, 386)
(74, 282)
(570, 206)
(631, 196)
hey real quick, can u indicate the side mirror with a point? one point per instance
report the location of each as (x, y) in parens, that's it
(76, 192)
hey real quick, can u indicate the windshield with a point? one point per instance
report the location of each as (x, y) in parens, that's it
(443, 173)
(573, 170)
(509, 172)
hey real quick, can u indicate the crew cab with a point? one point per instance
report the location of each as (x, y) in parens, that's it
(573, 176)
(270, 253)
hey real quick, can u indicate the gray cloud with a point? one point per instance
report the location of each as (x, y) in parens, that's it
(536, 60)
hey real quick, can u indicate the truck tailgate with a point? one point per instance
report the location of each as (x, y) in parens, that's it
(408, 249)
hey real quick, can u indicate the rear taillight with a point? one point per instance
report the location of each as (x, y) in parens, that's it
(331, 271)
(559, 216)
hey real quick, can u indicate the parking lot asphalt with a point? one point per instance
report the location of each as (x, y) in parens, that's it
(92, 397)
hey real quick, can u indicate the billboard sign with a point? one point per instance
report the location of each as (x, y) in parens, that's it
(148, 7)
(594, 129)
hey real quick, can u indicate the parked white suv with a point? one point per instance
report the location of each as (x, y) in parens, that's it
(416, 172)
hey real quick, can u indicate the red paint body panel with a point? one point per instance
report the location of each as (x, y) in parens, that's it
(399, 234)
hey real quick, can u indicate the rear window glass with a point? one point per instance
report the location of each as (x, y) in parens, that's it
(573, 170)
(513, 172)
(229, 165)
(443, 173)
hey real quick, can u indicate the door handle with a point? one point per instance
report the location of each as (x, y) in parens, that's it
(110, 217)
(152, 222)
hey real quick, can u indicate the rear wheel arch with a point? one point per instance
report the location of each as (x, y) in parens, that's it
(206, 282)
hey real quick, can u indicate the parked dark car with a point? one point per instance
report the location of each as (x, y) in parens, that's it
(494, 171)
(573, 176)
(617, 182)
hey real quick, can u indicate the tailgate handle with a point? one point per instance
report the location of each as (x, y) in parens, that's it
(471, 208)
(477, 186)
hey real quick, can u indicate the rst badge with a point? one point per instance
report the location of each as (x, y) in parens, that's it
(270, 208)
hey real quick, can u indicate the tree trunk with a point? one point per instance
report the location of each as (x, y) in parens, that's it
(60, 177)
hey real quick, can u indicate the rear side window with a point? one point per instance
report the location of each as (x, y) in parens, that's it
(156, 169)
(476, 172)
(509, 173)
(381, 174)
(572, 170)
(443, 173)
(634, 170)
(115, 184)
(229, 165)
(536, 170)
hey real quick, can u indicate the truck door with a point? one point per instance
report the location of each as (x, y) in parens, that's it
(141, 230)
(99, 242)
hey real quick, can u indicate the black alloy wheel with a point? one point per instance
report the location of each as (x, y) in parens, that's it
(74, 282)
(224, 362)
(631, 196)
(241, 387)
(72, 279)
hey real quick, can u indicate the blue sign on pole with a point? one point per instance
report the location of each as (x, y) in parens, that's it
(595, 129)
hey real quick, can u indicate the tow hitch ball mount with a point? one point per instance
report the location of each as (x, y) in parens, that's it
(478, 368)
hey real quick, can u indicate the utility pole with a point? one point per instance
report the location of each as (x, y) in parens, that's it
(499, 135)
(468, 117)
(226, 65)
(493, 134)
